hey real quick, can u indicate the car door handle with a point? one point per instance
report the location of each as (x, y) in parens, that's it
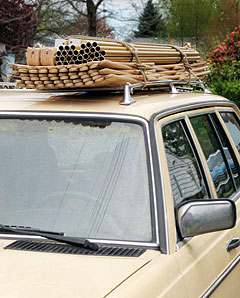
(235, 242)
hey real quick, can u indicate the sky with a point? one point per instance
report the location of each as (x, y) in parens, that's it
(125, 15)
(124, 4)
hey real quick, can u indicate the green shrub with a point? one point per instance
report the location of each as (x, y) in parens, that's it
(228, 89)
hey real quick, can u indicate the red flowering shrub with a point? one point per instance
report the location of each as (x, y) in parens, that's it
(229, 50)
(224, 61)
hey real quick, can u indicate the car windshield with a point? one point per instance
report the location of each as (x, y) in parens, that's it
(85, 178)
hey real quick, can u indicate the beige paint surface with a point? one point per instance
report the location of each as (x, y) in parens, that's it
(145, 105)
(159, 278)
(34, 275)
(26, 274)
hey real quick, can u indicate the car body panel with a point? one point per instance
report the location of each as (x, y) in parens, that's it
(37, 274)
(230, 286)
(159, 278)
(146, 105)
(202, 259)
(189, 268)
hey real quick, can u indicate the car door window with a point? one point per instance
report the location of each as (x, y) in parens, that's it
(233, 127)
(214, 154)
(185, 176)
(228, 151)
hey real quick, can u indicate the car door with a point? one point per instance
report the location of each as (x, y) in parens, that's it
(203, 162)
(230, 121)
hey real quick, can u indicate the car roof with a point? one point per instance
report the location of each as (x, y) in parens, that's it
(147, 103)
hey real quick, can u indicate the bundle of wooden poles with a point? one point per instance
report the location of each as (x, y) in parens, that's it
(87, 51)
(99, 74)
(72, 54)
(80, 63)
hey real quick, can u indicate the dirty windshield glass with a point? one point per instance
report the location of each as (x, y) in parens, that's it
(84, 178)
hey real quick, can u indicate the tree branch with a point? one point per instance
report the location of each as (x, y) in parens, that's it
(16, 18)
(98, 3)
(76, 8)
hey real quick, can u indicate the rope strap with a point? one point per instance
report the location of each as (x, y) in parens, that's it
(134, 53)
(188, 68)
(181, 53)
(130, 48)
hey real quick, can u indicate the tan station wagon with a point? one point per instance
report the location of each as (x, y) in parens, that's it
(105, 194)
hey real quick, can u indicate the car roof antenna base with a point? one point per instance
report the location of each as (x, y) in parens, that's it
(127, 99)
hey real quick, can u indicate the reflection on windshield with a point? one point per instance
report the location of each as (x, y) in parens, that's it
(87, 179)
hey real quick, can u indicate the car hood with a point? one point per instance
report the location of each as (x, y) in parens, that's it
(25, 274)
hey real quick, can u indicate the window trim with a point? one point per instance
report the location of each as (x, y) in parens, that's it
(230, 148)
(198, 157)
(193, 146)
(163, 164)
(155, 243)
(183, 111)
(208, 112)
(193, 141)
(188, 133)
(218, 111)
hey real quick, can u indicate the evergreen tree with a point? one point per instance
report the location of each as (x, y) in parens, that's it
(150, 23)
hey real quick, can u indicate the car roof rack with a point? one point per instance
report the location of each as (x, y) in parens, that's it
(175, 88)
(7, 85)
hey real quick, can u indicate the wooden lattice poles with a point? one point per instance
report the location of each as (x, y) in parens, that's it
(86, 51)
(98, 74)
(80, 63)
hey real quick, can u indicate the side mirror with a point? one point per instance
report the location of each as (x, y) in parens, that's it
(203, 216)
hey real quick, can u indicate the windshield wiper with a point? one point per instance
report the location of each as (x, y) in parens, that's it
(30, 229)
(85, 243)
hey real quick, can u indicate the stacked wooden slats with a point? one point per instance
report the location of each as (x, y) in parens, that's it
(99, 74)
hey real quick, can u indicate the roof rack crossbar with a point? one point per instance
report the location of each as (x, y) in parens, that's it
(175, 87)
